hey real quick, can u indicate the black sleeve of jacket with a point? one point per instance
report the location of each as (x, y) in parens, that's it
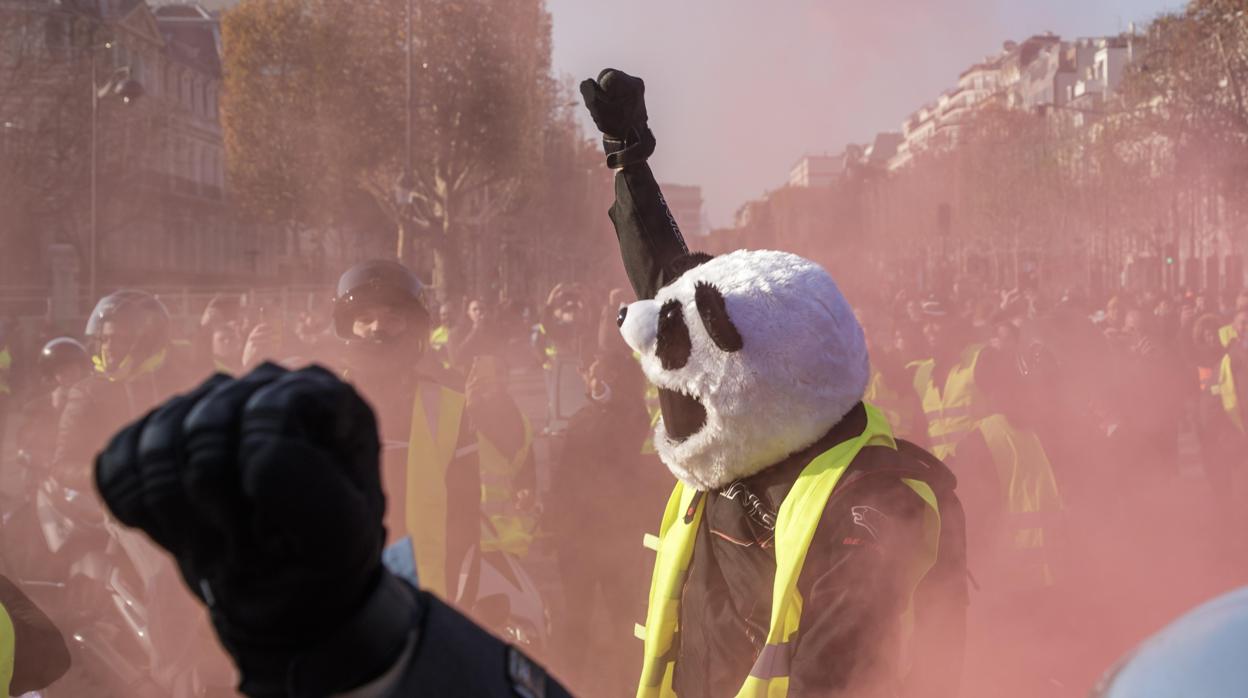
(854, 589)
(39, 652)
(647, 232)
(456, 658)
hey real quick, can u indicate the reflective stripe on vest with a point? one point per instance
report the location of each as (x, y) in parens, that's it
(796, 522)
(1227, 334)
(436, 415)
(550, 350)
(510, 531)
(1032, 503)
(951, 412)
(1226, 390)
(8, 646)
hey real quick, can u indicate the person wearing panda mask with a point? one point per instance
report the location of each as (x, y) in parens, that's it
(804, 551)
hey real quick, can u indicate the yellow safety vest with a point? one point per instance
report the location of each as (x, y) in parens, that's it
(1032, 502)
(436, 415)
(1226, 390)
(953, 411)
(887, 400)
(439, 337)
(124, 370)
(1227, 334)
(796, 522)
(510, 531)
(550, 350)
(8, 645)
(6, 363)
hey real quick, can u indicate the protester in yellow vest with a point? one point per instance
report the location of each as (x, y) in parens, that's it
(505, 448)
(792, 546)
(945, 383)
(440, 336)
(1016, 526)
(430, 469)
(1238, 326)
(1230, 389)
(32, 652)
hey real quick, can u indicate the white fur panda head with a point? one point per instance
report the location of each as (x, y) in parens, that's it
(756, 355)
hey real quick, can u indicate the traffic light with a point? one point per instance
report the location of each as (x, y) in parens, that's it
(1171, 254)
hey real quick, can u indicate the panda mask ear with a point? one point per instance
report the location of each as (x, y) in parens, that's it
(714, 313)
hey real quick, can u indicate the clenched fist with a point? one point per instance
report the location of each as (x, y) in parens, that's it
(267, 491)
(617, 103)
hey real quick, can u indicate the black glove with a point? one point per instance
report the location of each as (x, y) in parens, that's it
(267, 491)
(617, 103)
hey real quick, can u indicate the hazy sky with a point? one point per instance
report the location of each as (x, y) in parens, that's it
(738, 90)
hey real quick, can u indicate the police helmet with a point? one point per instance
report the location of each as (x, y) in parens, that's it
(377, 282)
(1200, 654)
(137, 316)
(62, 353)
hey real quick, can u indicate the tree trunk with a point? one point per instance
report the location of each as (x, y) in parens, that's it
(448, 276)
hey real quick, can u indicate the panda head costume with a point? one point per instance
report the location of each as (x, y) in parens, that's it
(756, 355)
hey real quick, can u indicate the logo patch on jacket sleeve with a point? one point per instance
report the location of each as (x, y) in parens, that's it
(872, 520)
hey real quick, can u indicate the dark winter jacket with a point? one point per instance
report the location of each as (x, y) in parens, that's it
(851, 580)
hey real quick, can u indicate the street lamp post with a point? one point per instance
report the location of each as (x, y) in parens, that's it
(403, 188)
(127, 90)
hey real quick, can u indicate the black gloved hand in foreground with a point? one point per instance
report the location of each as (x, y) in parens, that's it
(617, 103)
(267, 491)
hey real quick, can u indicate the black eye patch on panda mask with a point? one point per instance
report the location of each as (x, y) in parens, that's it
(715, 318)
(673, 346)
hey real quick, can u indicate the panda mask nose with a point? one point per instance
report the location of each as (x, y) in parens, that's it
(639, 325)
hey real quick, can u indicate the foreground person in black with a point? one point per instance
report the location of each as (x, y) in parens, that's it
(266, 490)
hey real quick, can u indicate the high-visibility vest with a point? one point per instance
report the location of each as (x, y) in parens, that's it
(1032, 505)
(125, 370)
(1227, 334)
(796, 522)
(549, 349)
(509, 530)
(887, 401)
(8, 646)
(436, 415)
(1226, 390)
(953, 411)
(6, 364)
(439, 337)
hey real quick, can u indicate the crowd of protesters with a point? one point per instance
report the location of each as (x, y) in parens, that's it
(1118, 395)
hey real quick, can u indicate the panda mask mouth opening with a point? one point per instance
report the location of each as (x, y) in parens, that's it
(755, 354)
(683, 414)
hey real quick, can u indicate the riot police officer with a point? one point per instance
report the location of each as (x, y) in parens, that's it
(266, 489)
(430, 471)
(63, 362)
(128, 335)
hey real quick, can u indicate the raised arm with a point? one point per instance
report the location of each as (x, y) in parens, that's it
(650, 240)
